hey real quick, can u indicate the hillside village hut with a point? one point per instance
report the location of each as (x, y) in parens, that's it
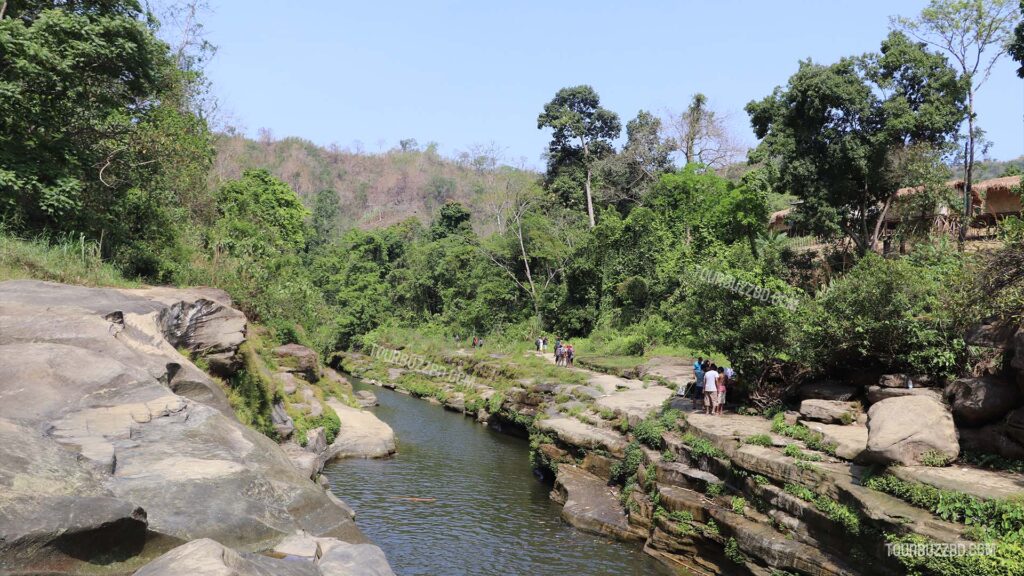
(1000, 197)
(778, 223)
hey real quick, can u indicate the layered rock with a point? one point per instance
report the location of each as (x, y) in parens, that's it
(125, 460)
(984, 400)
(829, 411)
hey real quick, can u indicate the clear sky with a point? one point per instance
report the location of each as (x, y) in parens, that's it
(465, 72)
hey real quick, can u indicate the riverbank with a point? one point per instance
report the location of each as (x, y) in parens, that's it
(735, 494)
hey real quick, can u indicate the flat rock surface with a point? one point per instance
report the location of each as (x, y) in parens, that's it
(572, 431)
(635, 404)
(362, 434)
(723, 430)
(590, 505)
(850, 441)
(985, 484)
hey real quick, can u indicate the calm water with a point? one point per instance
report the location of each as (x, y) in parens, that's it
(491, 515)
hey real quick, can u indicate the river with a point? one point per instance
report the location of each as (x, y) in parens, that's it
(489, 514)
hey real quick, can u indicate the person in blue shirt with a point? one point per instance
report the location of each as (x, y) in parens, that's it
(698, 387)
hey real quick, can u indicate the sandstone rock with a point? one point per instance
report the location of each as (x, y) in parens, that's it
(99, 385)
(337, 558)
(991, 334)
(590, 505)
(634, 405)
(980, 401)
(299, 360)
(900, 430)
(850, 441)
(829, 390)
(289, 383)
(598, 465)
(206, 557)
(362, 435)
(991, 439)
(316, 440)
(829, 411)
(208, 327)
(282, 422)
(572, 432)
(877, 393)
(1014, 425)
(683, 476)
(365, 398)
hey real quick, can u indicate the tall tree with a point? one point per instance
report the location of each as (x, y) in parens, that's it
(833, 131)
(1017, 44)
(643, 159)
(976, 33)
(581, 130)
(701, 136)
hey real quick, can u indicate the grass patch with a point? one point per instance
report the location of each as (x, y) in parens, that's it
(67, 259)
(759, 440)
(835, 511)
(702, 447)
(812, 439)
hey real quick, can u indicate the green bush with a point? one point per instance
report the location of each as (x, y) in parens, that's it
(714, 489)
(739, 505)
(896, 315)
(835, 511)
(759, 440)
(733, 553)
(627, 467)
(812, 439)
(701, 447)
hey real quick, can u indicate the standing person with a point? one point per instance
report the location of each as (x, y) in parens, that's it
(543, 344)
(710, 389)
(474, 341)
(698, 387)
(558, 352)
(572, 355)
(536, 344)
(721, 384)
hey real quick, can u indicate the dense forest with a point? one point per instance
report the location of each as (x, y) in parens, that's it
(106, 151)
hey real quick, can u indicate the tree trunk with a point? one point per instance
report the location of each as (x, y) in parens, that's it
(3, 8)
(968, 170)
(590, 201)
(880, 221)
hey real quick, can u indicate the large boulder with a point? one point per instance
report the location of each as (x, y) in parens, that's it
(992, 334)
(829, 390)
(99, 385)
(361, 435)
(299, 360)
(991, 439)
(829, 411)
(980, 401)
(590, 505)
(901, 430)
(206, 325)
(877, 393)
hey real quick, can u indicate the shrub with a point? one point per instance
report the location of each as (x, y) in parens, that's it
(794, 451)
(627, 467)
(701, 447)
(812, 439)
(835, 511)
(935, 458)
(888, 314)
(739, 505)
(714, 489)
(733, 553)
(649, 431)
(759, 440)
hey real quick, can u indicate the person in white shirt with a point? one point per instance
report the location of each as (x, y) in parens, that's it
(711, 390)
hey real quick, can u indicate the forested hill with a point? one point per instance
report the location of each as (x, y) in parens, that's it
(375, 190)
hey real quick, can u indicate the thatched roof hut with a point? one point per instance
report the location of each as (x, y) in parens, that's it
(777, 221)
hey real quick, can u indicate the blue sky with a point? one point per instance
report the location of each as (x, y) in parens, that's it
(466, 72)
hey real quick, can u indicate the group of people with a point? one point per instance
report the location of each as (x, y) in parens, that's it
(565, 355)
(711, 384)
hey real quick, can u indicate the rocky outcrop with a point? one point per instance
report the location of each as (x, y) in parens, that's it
(901, 430)
(99, 448)
(328, 557)
(590, 505)
(299, 360)
(877, 393)
(984, 400)
(362, 435)
(572, 432)
(829, 411)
